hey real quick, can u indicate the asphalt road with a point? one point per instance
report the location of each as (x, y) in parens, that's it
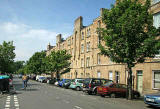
(45, 96)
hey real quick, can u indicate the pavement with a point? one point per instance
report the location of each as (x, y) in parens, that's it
(45, 96)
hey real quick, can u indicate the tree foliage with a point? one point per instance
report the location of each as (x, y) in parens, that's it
(7, 56)
(58, 62)
(36, 63)
(129, 35)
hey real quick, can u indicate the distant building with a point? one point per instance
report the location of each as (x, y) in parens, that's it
(86, 61)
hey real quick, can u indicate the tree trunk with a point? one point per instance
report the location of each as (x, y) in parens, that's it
(57, 76)
(130, 82)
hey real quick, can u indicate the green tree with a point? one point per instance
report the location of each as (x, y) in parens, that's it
(129, 35)
(58, 62)
(36, 63)
(7, 56)
(18, 65)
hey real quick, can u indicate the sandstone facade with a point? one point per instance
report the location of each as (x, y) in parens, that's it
(86, 61)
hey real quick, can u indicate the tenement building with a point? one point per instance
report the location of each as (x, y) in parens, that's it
(87, 62)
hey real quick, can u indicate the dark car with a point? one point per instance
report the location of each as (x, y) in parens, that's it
(115, 89)
(67, 83)
(152, 99)
(90, 84)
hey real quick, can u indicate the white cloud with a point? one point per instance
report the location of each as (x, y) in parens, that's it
(26, 39)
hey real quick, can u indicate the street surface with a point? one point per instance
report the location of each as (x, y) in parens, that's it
(45, 96)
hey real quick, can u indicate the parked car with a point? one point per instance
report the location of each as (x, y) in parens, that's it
(51, 80)
(61, 82)
(67, 83)
(77, 84)
(152, 99)
(115, 89)
(41, 79)
(90, 84)
(46, 79)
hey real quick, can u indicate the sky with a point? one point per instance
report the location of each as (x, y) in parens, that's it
(33, 24)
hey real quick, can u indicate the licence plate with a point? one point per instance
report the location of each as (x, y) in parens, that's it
(149, 99)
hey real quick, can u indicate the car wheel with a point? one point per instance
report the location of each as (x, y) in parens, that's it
(78, 88)
(112, 95)
(102, 95)
(89, 93)
(95, 92)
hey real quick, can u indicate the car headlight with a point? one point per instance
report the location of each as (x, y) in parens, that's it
(158, 98)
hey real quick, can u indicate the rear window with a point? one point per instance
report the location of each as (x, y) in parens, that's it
(80, 81)
(87, 81)
(73, 80)
(108, 83)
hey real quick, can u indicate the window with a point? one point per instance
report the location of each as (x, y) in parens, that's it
(81, 75)
(156, 20)
(72, 51)
(155, 1)
(82, 36)
(72, 40)
(87, 75)
(98, 59)
(98, 40)
(82, 63)
(88, 46)
(69, 42)
(88, 32)
(117, 78)
(87, 62)
(82, 48)
(110, 75)
(99, 24)
(98, 74)
(156, 79)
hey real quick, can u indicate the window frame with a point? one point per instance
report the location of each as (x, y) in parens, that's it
(153, 80)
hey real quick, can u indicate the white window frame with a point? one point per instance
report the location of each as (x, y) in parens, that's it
(156, 20)
(98, 58)
(153, 80)
(117, 76)
(82, 48)
(82, 62)
(109, 76)
(88, 46)
(98, 74)
(88, 32)
(87, 62)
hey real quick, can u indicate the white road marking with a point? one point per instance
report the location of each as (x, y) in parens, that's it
(7, 105)
(77, 107)
(15, 100)
(7, 102)
(6, 108)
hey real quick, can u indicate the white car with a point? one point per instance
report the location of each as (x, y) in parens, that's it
(41, 78)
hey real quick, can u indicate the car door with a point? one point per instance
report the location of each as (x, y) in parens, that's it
(124, 89)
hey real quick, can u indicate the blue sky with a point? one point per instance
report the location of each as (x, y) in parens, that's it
(32, 24)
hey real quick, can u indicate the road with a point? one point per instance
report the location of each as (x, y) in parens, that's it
(45, 96)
